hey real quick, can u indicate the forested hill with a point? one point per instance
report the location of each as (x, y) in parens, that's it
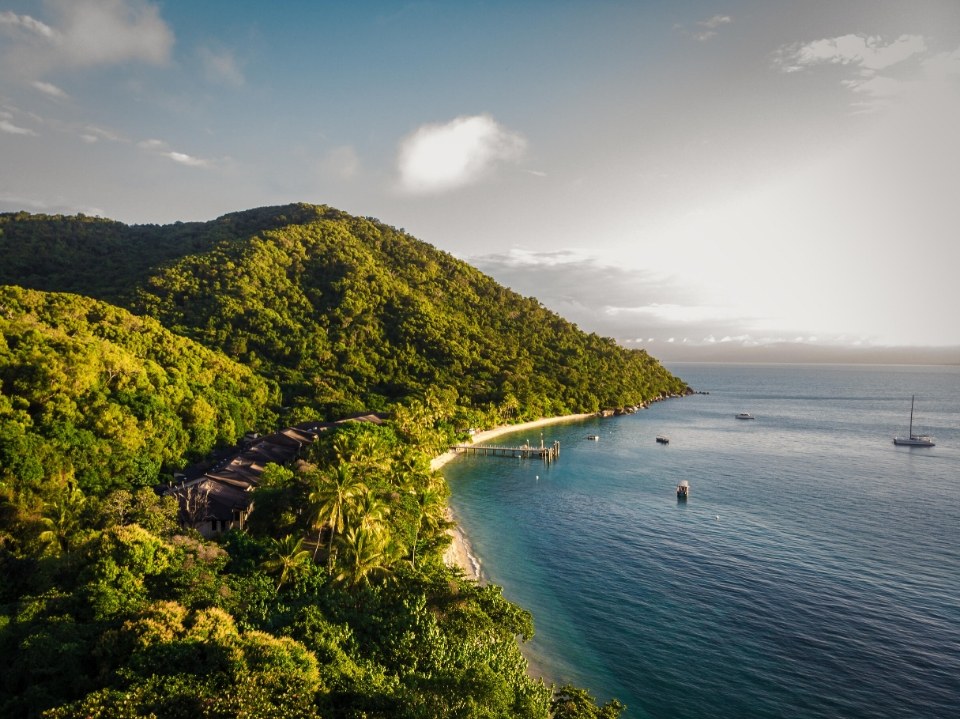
(127, 352)
(107, 259)
(345, 313)
(90, 392)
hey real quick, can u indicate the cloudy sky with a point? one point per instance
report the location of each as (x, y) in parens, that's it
(684, 172)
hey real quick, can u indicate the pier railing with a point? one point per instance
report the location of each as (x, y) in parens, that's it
(547, 454)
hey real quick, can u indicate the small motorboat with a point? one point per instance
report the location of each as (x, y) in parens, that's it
(745, 415)
(594, 437)
(662, 440)
(683, 489)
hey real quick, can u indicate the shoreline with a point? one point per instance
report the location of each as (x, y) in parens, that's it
(459, 553)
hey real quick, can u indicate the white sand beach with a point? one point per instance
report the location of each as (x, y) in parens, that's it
(458, 553)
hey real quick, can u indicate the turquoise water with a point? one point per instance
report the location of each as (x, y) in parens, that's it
(814, 571)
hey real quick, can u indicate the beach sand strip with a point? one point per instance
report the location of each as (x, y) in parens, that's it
(458, 554)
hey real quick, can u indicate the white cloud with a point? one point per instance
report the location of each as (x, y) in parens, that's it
(7, 125)
(49, 89)
(868, 53)
(517, 257)
(877, 86)
(12, 20)
(676, 314)
(865, 57)
(221, 67)
(711, 24)
(162, 149)
(188, 160)
(88, 32)
(437, 158)
(92, 133)
(613, 300)
(111, 31)
(716, 21)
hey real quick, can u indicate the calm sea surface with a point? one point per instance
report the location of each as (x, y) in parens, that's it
(814, 571)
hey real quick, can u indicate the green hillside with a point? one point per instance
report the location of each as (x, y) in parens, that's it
(90, 391)
(129, 351)
(103, 258)
(345, 313)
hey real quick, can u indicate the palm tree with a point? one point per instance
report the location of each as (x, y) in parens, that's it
(61, 520)
(409, 469)
(332, 497)
(287, 557)
(365, 451)
(428, 504)
(369, 512)
(366, 554)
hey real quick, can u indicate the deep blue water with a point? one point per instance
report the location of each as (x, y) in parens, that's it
(814, 571)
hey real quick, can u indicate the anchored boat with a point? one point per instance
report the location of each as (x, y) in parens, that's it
(683, 489)
(914, 440)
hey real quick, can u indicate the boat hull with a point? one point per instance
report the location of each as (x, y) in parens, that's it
(914, 441)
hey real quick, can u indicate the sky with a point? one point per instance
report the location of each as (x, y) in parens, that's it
(687, 173)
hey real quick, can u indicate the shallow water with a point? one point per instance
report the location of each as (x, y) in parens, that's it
(814, 571)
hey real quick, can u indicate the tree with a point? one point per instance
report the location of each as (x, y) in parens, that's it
(194, 502)
(332, 496)
(287, 558)
(61, 521)
(369, 512)
(429, 506)
(367, 554)
(198, 664)
(569, 702)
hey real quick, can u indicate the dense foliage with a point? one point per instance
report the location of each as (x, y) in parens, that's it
(103, 258)
(335, 600)
(92, 393)
(346, 313)
(350, 314)
(336, 603)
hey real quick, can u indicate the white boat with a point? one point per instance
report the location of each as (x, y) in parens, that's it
(914, 440)
(745, 415)
(683, 489)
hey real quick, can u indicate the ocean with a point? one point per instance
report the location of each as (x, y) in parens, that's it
(813, 572)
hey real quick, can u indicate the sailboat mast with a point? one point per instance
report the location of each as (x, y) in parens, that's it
(912, 398)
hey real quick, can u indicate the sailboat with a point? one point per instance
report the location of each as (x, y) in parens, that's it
(914, 440)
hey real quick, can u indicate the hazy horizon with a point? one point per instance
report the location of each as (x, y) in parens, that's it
(741, 174)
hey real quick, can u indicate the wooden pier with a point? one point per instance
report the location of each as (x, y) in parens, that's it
(547, 454)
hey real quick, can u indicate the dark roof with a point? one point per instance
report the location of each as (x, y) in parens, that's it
(241, 480)
(224, 499)
(372, 418)
(265, 452)
(314, 426)
(232, 476)
(303, 436)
